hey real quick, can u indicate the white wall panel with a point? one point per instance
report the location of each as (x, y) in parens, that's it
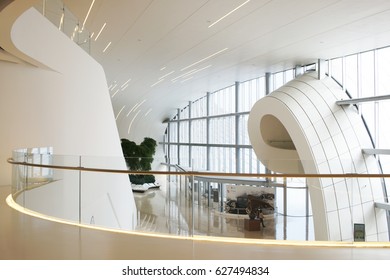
(342, 194)
(335, 166)
(377, 191)
(332, 124)
(341, 144)
(345, 220)
(362, 189)
(65, 105)
(334, 225)
(331, 144)
(330, 198)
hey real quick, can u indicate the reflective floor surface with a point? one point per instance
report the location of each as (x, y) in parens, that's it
(168, 209)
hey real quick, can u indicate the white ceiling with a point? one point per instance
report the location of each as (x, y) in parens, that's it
(154, 42)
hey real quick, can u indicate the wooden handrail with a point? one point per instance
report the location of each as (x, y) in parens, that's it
(199, 173)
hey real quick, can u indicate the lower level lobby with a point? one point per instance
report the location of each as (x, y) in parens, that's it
(23, 236)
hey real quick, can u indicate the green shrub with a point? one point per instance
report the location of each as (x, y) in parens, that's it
(139, 158)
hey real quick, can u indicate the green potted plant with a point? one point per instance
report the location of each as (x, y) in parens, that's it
(140, 158)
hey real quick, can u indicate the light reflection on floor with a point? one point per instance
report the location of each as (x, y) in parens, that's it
(167, 210)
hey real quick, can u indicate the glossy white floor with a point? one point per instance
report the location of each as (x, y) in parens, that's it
(26, 237)
(169, 211)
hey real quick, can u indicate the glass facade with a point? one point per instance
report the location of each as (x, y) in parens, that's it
(218, 121)
(366, 75)
(211, 132)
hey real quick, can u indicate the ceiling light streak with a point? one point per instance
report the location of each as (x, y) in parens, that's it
(106, 47)
(132, 109)
(147, 113)
(183, 75)
(135, 107)
(90, 8)
(190, 73)
(140, 104)
(115, 93)
(61, 21)
(123, 88)
(201, 69)
(156, 83)
(120, 112)
(131, 123)
(104, 25)
(210, 56)
(126, 83)
(229, 13)
(166, 75)
(186, 80)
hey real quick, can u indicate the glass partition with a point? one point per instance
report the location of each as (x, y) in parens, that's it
(96, 191)
(57, 13)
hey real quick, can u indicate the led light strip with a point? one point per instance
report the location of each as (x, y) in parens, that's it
(187, 79)
(139, 105)
(115, 93)
(90, 8)
(135, 107)
(120, 112)
(61, 21)
(203, 59)
(148, 112)
(131, 123)
(101, 29)
(131, 110)
(190, 73)
(166, 75)
(123, 88)
(229, 13)
(156, 83)
(107, 47)
(125, 84)
(234, 240)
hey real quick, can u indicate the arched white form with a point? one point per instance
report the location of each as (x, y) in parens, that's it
(300, 128)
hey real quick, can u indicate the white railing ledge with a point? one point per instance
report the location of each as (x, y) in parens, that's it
(382, 205)
(376, 151)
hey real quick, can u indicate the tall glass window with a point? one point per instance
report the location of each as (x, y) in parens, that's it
(249, 93)
(336, 69)
(222, 130)
(199, 131)
(184, 129)
(223, 101)
(352, 76)
(216, 133)
(278, 80)
(243, 137)
(223, 159)
(215, 126)
(173, 132)
(367, 75)
(199, 108)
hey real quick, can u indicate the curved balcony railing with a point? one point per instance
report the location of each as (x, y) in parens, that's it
(93, 191)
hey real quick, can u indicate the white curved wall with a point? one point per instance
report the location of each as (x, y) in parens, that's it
(67, 108)
(328, 139)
